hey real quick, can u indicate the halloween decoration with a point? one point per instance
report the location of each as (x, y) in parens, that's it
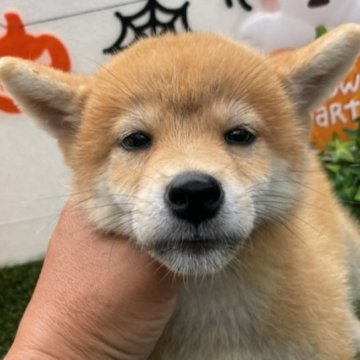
(154, 24)
(17, 42)
(243, 3)
(340, 111)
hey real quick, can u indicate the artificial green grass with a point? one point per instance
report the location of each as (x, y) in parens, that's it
(16, 286)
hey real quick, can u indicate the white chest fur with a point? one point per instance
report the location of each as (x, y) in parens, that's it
(216, 319)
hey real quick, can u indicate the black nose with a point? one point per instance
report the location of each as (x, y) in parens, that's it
(194, 197)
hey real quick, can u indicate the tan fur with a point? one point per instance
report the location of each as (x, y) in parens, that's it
(287, 291)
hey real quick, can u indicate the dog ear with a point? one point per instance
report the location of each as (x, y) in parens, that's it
(311, 73)
(55, 99)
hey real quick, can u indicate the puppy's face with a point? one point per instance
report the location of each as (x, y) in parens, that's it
(182, 143)
(194, 139)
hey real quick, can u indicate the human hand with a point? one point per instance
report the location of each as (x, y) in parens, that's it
(98, 297)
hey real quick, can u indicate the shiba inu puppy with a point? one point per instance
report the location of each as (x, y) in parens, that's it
(195, 148)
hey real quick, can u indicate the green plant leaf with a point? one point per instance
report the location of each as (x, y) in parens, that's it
(341, 160)
(357, 195)
(320, 31)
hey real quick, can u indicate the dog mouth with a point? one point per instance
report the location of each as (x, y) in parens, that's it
(195, 254)
(192, 245)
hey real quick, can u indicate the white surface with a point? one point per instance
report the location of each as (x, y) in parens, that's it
(32, 189)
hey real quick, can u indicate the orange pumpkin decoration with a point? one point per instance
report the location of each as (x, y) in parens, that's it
(339, 111)
(17, 42)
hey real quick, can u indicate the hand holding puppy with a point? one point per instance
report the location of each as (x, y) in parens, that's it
(97, 297)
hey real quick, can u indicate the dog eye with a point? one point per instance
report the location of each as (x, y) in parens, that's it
(239, 136)
(136, 141)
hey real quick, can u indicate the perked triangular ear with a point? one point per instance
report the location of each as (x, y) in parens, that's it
(52, 97)
(312, 73)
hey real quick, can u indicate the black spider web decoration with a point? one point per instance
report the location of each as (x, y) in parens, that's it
(243, 3)
(153, 26)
